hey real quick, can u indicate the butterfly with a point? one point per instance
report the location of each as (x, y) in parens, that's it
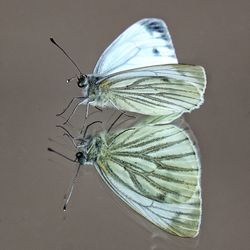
(139, 72)
(153, 167)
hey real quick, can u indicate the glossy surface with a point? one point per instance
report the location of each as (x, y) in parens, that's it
(33, 90)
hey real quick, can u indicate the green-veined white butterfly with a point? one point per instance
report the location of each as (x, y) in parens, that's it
(154, 168)
(139, 73)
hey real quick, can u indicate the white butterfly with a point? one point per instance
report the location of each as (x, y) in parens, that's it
(138, 72)
(153, 167)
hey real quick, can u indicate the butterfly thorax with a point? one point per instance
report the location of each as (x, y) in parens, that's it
(89, 85)
(93, 148)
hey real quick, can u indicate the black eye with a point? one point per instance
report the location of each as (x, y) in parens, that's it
(82, 81)
(80, 84)
(79, 155)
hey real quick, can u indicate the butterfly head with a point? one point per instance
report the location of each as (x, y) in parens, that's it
(82, 146)
(83, 83)
(80, 157)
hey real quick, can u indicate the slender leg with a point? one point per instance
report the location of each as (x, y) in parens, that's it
(65, 130)
(71, 139)
(80, 98)
(97, 110)
(72, 113)
(68, 134)
(87, 127)
(116, 120)
(87, 111)
(86, 115)
(120, 123)
(113, 105)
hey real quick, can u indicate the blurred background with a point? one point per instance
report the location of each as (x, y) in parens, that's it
(214, 34)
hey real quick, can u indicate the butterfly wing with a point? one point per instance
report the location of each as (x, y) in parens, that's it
(147, 42)
(168, 90)
(156, 171)
(163, 119)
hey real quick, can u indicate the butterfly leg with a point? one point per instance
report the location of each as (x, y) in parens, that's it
(97, 110)
(72, 113)
(68, 134)
(116, 120)
(113, 104)
(80, 98)
(86, 115)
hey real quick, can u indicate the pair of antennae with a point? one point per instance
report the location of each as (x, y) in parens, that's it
(67, 55)
(71, 188)
(69, 194)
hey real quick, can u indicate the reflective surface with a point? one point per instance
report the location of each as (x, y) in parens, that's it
(33, 73)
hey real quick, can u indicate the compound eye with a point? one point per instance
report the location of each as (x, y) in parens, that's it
(82, 81)
(79, 155)
(80, 84)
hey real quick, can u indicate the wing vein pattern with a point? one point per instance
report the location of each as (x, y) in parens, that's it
(156, 171)
(155, 90)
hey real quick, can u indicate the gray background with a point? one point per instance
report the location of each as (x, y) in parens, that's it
(214, 34)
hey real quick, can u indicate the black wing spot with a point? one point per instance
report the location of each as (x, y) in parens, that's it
(156, 51)
(154, 26)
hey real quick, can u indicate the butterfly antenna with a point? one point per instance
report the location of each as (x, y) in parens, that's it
(64, 156)
(66, 54)
(87, 127)
(68, 196)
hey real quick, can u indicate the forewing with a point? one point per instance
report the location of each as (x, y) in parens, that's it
(147, 42)
(156, 90)
(156, 171)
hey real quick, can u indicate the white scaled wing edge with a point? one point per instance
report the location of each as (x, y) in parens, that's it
(145, 43)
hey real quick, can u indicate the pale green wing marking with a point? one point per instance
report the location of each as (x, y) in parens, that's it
(156, 171)
(155, 90)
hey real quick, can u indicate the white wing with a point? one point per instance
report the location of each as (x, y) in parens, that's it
(156, 171)
(161, 119)
(178, 219)
(145, 43)
(169, 90)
